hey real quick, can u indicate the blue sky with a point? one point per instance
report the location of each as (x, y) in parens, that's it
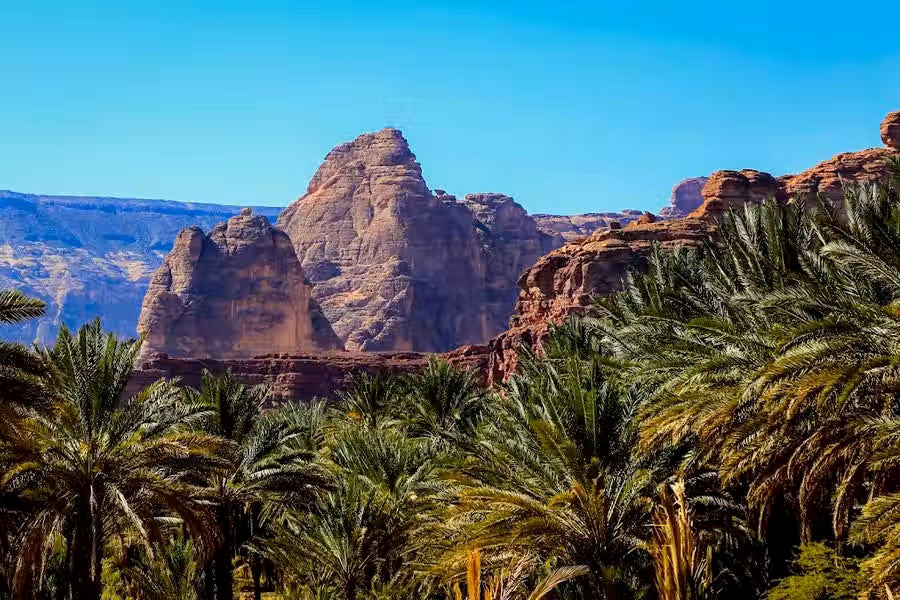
(568, 106)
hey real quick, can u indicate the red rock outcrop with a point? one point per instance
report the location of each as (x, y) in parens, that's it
(687, 196)
(300, 376)
(890, 130)
(397, 268)
(565, 281)
(234, 293)
(511, 243)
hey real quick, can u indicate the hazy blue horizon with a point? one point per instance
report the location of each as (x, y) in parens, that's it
(568, 107)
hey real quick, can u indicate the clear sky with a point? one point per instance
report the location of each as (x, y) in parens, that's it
(568, 106)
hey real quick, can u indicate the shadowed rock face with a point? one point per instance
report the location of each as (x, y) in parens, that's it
(396, 267)
(234, 293)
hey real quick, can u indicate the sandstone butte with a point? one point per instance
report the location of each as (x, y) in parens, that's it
(236, 292)
(561, 283)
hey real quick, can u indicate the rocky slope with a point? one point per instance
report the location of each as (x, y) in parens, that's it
(574, 227)
(237, 292)
(90, 257)
(397, 267)
(564, 281)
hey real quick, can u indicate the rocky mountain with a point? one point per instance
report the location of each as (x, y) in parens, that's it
(236, 292)
(398, 267)
(394, 265)
(90, 257)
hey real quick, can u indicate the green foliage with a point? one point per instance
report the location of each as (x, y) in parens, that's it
(819, 574)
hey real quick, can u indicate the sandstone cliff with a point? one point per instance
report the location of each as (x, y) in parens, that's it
(397, 267)
(237, 292)
(565, 281)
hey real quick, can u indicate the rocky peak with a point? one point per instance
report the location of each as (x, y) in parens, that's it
(393, 266)
(381, 150)
(237, 292)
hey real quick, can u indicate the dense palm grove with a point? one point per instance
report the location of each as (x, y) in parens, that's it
(728, 426)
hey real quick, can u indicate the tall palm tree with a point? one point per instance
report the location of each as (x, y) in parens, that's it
(265, 464)
(91, 466)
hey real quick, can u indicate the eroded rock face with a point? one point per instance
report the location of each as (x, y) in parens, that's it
(396, 267)
(687, 196)
(733, 189)
(237, 292)
(510, 242)
(565, 281)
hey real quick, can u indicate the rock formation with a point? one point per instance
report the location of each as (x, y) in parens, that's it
(565, 281)
(890, 130)
(510, 243)
(687, 196)
(396, 267)
(237, 292)
(574, 227)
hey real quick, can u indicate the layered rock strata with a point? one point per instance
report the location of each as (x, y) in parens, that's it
(301, 376)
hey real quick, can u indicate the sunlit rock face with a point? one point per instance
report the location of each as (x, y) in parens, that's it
(397, 267)
(237, 292)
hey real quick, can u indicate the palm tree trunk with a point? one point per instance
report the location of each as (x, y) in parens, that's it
(209, 581)
(256, 571)
(255, 560)
(222, 559)
(81, 557)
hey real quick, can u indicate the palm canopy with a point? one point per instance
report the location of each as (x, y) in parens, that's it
(774, 353)
(92, 466)
(266, 466)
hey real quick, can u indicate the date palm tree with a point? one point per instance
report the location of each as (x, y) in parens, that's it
(92, 466)
(266, 465)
